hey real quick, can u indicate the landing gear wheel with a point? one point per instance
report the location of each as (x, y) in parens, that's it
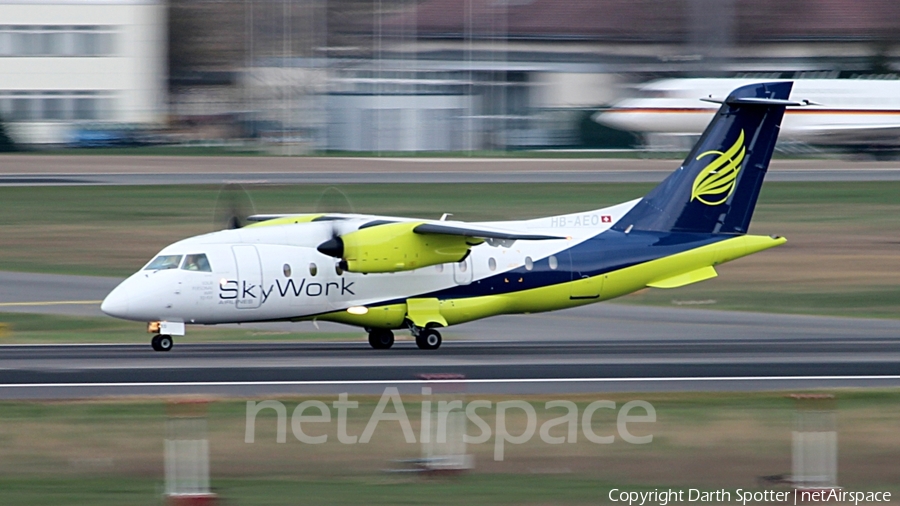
(162, 342)
(381, 339)
(428, 339)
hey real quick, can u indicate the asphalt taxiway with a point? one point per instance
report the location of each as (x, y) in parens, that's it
(393, 177)
(37, 170)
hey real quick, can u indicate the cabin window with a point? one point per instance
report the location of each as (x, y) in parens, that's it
(286, 270)
(463, 266)
(492, 264)
(164, 262)
(338, 270)
(313, 269)
(554, 263)
(439, 267)
(196, 262)
(529, 263)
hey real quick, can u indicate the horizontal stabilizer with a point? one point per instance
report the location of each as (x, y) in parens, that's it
(758, 101)
(687, 278)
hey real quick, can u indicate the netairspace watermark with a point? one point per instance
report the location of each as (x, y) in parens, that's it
(317, 412)
(665, 497)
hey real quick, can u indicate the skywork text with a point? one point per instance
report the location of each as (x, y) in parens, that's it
(233, 289)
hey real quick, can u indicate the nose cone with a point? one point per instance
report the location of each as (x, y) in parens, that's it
(614, 118)
(116, 303)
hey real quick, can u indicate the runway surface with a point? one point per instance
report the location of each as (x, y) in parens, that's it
(604, 347)
(545, 367)
(30, 170)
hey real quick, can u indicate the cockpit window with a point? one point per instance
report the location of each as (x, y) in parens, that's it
(196, 262)
(163, 262)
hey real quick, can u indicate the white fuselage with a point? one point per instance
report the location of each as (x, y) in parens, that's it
(843, 110)
(275, 272)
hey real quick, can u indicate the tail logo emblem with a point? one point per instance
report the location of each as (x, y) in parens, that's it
(716, 181)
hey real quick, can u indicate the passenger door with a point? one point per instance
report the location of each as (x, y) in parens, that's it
(250, 279)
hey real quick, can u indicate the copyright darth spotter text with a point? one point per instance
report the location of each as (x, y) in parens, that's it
(658, 497)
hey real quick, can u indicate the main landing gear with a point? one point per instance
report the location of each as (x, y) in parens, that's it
(428, 339)
(162, 342)
(382, 339)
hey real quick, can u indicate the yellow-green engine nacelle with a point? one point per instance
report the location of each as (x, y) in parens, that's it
(395, 247)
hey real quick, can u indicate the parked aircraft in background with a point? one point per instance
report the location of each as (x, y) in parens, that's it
(384, 273)
(850, 114)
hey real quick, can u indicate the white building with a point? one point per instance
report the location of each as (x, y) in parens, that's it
(71, 63)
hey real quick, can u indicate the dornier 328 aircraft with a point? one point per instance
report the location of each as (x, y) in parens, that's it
(385, 273)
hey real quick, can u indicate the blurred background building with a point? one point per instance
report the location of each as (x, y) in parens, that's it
(382, 76)
(81, 62)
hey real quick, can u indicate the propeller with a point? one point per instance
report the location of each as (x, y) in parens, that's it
(334, 200)
(233, 206)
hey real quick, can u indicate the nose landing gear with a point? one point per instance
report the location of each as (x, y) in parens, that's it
(162, 342)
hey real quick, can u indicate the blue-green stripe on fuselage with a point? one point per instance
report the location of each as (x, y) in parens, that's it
(606, 252)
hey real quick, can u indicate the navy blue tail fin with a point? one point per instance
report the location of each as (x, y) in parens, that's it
(715, 189)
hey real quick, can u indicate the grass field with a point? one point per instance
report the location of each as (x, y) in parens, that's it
(840, 259)
(379, 490)
(111, 452)
(23, 328)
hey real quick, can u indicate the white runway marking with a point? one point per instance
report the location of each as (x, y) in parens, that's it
(446, 381)
(51, 303)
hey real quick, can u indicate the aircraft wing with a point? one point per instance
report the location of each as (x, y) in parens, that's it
(848, 127)
(849, 134)
(256, 218)
(455, 228)
(302, 217)
(480, 232)
(391, 246)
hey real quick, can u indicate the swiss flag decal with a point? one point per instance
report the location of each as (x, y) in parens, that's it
(606, 218)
